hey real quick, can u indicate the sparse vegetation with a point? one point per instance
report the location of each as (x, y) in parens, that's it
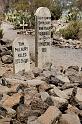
(2, 16)
(20, 5)
(54, 6)
(72, 31)
(31, 7)
(56, 10)
(73, 14)
(79, 4)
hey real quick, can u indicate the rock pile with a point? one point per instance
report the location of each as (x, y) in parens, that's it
(63, 43)
(6, 52)
(41, 97)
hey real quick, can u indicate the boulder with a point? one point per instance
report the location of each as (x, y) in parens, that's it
(3, 112)
(2, 42)
(72, 109)
(57, 70)
(50, 116)
(54, 80)
(14, 121)
(5, 121)
(29, 94)
(75, 78)
(68, 92)
(47, 66)
(60, 102)
(63, 78)
(69, 86)
(9, 52)
(44, 87)
(36, 72)
(44, 96)
(4, 82)
(4, 89)
(79, 98)
(14, 88)
(3, 49)
(29, 75)
(70, 71)
(74, 67)
(11, 101)
(16, 81)
(32, 120)
(35, 82)
(69, 119)
(73, 74)
(49, 101)
(38, 104)
(11, 112)
(72, 98)
(2, 71)
(79, 94)
(22, 113)
(58, 80)
(56, 92)
(36, 108)
(7, 59)
(46, 73)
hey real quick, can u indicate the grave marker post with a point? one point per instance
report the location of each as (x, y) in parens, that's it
(42, 36)
(21, 55)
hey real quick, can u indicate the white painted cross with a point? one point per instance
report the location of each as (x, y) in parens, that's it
(21, 54)
(42, 36)
(23, 25)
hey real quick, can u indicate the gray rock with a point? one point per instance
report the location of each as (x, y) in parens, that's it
(74, 67)
(79, 94)
(4, 82)
(63, 78)
(69, 119)
(9, 52)
(4, 89)
(35, 82)
(72, 109)
(51, 115)
(46, 73)
(11, 101)
(7, 59)
(3, 49)
(3, 111)
(14, 121)
(38, 104)
(68, 91)
(75, 78)
(49, 101)
(44, 87)
(70, 71)
(54, 80)
(79, 98)
(44, 95)
(37, 72)
(11, 112)
(60, 102)
(31, 119)
(69, 85)
(56, 92)
(29, 75)
(5, 121)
